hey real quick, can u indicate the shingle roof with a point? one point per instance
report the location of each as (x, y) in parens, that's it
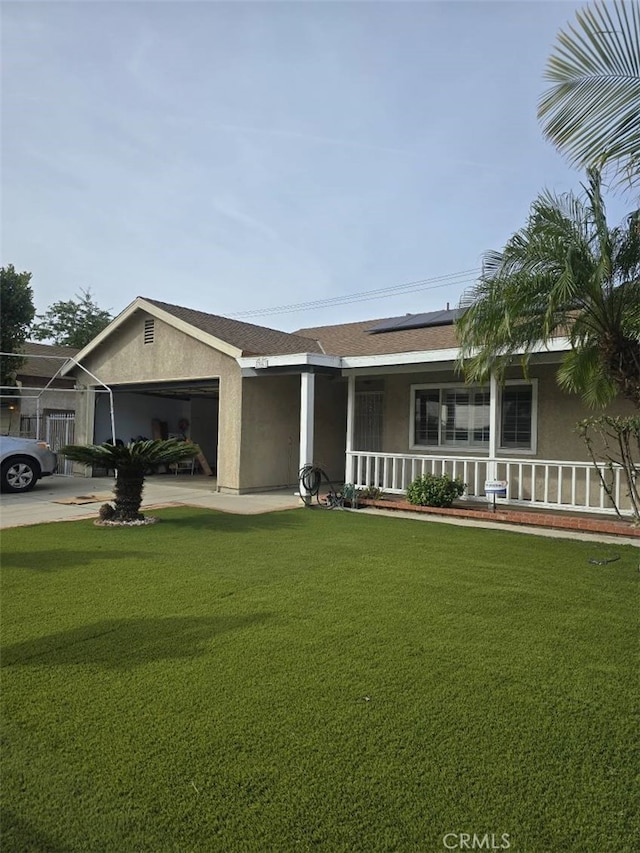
(251, 339)
(355, 338)
(44, 367)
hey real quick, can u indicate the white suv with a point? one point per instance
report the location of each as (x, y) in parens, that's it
(23, 461)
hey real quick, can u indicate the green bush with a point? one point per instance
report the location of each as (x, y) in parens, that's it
(371, 492)
(435, 490)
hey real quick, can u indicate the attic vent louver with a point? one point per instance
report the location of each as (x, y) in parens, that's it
(149, 326)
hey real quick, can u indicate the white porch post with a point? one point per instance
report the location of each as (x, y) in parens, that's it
(351, 404)
(307, 408)
(494, 427)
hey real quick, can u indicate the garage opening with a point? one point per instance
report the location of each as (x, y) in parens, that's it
(186, 410)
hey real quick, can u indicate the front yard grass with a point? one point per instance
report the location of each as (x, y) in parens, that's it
(315, 681)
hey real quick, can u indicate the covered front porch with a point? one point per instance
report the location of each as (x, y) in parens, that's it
(418, 417)
(512, 433)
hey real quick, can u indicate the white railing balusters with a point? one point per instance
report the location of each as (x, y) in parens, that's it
(559, 479)
(520, 483)
(573, 481)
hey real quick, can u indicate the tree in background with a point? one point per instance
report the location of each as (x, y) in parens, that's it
(566, 273)
(591, 112)
(73, 323)
(16, 315)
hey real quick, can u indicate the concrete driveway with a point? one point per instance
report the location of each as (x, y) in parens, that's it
(60, 498)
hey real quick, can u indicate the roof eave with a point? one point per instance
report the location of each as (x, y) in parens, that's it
(450, 354)
(301, 361)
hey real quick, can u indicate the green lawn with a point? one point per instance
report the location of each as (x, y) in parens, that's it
(315, 681)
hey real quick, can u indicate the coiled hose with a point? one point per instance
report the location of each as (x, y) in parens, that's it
(311, 478)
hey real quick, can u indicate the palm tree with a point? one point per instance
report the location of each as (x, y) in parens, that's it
(132, 463)
(591, 111)
(566, 273)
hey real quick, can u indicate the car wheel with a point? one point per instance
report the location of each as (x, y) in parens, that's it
(19, 474)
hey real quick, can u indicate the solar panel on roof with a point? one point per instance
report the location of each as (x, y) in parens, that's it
(417, 321)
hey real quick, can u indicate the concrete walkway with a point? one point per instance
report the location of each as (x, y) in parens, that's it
(58, 498)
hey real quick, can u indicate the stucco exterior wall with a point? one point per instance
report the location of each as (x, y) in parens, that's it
(10, 418)
(53, 399)
(173, 355)
(270, 432)
(330, 426)
(230, 430)
(558, 414)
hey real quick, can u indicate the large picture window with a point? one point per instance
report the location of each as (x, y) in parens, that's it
(459, 416)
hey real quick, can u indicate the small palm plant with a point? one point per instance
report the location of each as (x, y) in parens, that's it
(132, 463)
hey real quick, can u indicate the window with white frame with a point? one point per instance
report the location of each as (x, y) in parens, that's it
(459, 416)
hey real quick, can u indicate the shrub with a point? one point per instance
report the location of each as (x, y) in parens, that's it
(371, 492)
(434, 490)
(106, 512)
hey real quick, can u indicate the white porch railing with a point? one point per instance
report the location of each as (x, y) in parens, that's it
(541, 483)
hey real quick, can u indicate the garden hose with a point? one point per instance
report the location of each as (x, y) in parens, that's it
(311, 478)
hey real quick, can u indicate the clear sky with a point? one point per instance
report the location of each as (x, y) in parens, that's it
(230, 156)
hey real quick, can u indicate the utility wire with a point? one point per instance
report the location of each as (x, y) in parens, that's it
(448, 280)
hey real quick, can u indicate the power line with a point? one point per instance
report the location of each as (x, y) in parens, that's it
(448, 280)
(363, 296)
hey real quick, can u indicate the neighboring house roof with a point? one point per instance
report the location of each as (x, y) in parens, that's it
(44, 368)
(355, 339)
(248, 338)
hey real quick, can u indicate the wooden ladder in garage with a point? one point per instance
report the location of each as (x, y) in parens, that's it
(158, 429)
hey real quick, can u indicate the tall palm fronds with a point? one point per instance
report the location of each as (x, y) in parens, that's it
(565, 274)
(132, 463)
(592, 110)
